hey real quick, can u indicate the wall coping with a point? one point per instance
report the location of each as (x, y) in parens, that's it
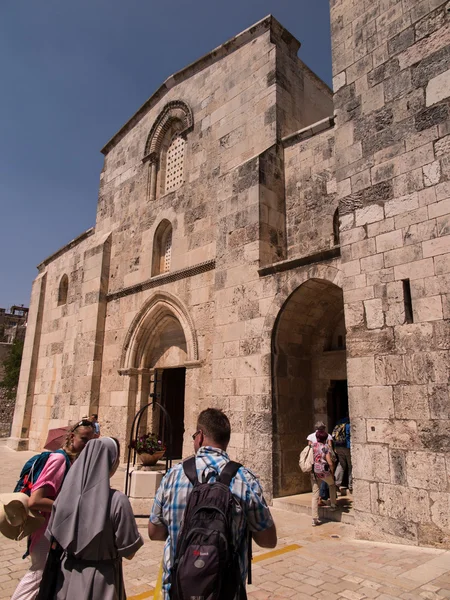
(64, 249)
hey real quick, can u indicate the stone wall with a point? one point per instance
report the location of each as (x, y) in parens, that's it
(391, 75)
(310, 191)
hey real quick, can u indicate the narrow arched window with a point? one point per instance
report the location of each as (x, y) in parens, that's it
(175, 164)
(336, 227)
(63, 290)
(162, 248)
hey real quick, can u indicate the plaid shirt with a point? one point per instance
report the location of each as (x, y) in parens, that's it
(250, 507)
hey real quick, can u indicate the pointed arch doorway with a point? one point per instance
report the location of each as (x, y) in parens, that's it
(309, 376)
(158, 355)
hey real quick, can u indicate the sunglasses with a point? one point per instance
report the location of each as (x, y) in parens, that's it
(196, 434)
(82, 423)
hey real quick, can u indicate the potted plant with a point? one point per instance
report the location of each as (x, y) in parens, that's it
(149, 448)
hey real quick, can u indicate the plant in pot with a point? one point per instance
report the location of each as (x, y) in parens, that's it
(149, 448)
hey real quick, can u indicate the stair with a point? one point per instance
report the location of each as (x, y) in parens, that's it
(301, 503)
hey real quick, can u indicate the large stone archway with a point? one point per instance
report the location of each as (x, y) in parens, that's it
(160, 353)
(308, 361)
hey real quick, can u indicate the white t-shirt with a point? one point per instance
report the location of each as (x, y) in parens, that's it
(312, 437)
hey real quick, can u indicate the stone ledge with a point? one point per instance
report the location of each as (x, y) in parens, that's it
(158, 280)
(308, 132)
(293, 263)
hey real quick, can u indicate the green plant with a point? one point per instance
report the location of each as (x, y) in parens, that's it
(11, 370)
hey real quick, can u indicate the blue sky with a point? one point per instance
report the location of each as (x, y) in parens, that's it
(72, 74)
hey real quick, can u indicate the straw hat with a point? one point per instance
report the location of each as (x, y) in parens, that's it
(16, 519)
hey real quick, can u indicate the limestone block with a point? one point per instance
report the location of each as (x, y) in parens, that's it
(439, 209)
(440, 509)
(432, 173)
(371, 462)
(354, 314)
(411, 402)
(374, 313)
(425, 470)
(373, 402)
(144, 484)
(339, 81)
(438, 88)
(405, 255)
(439, 400)
(397, 531)
(361, 492)
(401, 205)
(402, 503)
(358, 427)
(389, 241)
(372, 263)
(428, 309)
(397, 463)
(369, 214)
(415, 270)
(398, 434)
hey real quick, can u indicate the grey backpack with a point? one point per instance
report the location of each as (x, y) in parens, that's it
(206, 565)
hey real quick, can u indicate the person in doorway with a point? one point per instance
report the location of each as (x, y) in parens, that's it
(342, 443)
(94, 419)
(211, 439)
(44, 492)
(319, 426)
(323, 470)
(324, 493)
(95, 527)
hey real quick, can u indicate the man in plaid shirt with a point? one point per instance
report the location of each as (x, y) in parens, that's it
(210, 443)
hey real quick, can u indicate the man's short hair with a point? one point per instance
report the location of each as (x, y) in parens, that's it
(215, 425)
(320, 425)
(95, 416)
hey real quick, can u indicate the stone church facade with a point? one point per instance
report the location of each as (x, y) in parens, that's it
(263, 250)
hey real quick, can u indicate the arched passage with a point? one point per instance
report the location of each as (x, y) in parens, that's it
(160, 344)
(309, 375)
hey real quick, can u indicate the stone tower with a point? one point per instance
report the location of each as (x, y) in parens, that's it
(391, 63)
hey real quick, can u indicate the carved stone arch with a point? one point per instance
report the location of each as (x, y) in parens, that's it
(157, 309)
(325, 272)
(176, 111)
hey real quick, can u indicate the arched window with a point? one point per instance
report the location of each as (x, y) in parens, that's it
(162, 248)
(174, 164)
(165, 148)
(63, 290)
(336, 240)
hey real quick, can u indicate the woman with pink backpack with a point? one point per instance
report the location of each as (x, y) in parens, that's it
(323, 470)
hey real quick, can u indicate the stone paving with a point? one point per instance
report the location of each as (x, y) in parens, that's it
(324, 562)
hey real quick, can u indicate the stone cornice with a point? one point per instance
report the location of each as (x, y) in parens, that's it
(162, 279)
(308, 132)
(293, 263)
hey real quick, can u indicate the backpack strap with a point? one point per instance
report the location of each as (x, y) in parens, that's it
(228, 472)
(190, 470)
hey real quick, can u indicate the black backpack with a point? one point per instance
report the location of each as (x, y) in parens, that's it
(206, 565)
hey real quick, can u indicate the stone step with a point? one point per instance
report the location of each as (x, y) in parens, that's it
(301, 504)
